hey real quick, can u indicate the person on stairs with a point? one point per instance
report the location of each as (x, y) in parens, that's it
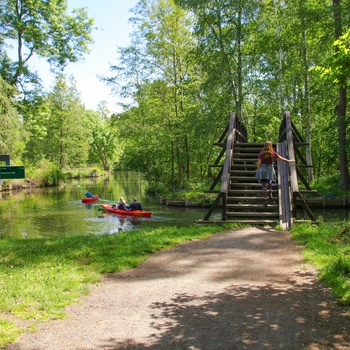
(265, 170)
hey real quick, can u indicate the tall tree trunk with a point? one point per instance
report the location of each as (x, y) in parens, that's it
(239, 61)
(172, 166)
(341, 106)
(341, 125)
(280, 62)
(306, 95)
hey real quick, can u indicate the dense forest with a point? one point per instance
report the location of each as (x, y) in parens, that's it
(189, 65)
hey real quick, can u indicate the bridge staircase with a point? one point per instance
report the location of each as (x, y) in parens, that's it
(245, 202)
(239, 197)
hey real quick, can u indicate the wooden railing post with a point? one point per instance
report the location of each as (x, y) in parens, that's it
(295, 193)
(227, 165)
(285, 212)
(291, 154)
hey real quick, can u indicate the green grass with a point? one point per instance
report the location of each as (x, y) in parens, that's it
(329, 186)
(9, 332)
(193, 195)
(327, 247)
(39, 277)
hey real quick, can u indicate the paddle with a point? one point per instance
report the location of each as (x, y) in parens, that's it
(82, 188)
(100, 199)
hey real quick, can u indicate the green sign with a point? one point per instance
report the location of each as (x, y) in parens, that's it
(12, 172)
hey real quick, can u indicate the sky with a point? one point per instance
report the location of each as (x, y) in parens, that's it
(111, 19)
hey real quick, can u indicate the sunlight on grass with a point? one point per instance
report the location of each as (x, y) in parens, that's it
(327, 247)
(8, 332)
(39, 277)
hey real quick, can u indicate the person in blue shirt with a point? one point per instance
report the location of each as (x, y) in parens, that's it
(135, 205)
(88, 194)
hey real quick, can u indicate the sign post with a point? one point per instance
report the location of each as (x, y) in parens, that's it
(5, 158)
(12, 172)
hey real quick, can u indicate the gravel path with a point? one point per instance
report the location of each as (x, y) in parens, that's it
(240, 289)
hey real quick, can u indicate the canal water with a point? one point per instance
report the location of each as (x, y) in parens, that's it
(59, 211)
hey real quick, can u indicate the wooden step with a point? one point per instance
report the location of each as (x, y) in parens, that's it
(243, 166)
(245, 199)
(251, 206)
(241, 179)
(245, 203)
(242, 221)
(259, 145)
(250, 185)
(247, 191)
(264, 214)
(258, 209)
(243, 171)
(243, 155)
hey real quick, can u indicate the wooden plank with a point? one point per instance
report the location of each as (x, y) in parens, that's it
(285, 213)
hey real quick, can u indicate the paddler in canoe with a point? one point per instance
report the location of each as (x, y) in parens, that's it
(135, 205)
(121, 205)
(88, 194)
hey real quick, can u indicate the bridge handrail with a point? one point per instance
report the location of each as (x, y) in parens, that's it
(288, 133)
(284, 195)
(291, 153)
(236, 133)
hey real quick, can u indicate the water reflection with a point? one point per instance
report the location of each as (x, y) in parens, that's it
(330, 214)
(58, 212)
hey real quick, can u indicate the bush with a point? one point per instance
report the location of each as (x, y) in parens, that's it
(157, 189)
(47, 174)
(329, 186)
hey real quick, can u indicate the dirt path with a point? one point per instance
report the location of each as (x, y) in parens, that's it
(242, 289)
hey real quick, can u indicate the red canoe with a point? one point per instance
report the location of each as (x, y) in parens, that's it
(142, 213)
(90, 200)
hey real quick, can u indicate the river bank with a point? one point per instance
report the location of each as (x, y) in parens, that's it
(318, 202)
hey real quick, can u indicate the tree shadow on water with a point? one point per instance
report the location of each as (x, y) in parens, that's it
(280, 316)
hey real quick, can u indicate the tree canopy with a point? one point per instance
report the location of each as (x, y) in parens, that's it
(43, 28)
(189, 64)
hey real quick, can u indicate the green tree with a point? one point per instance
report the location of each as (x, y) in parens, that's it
(129, 80)
(36, 116)
(43, 28)
(12, 135)
(342, 97)
(334, 68)
(68, 138)
(222, 29)
(159, 73)
(105, 147)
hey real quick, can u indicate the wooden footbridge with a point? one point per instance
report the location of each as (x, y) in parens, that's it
(239, 196)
